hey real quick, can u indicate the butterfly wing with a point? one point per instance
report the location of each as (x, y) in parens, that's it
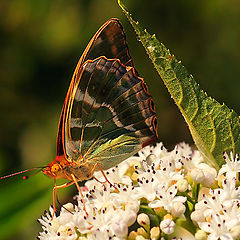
(109, 41)
(111, 114)
(108, 114)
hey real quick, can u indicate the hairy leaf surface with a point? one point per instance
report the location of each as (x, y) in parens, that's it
(214, 127)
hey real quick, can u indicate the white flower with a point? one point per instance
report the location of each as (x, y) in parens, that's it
(233, 212)
(232, 166)
(172, 160)
(159, 177)
(98, 234)
(100, 199)
(167, 177)
(184, 149)
(109, 216)
(115, 174)
(126, 198)
(230, 192)
(67, 231)
(218, 212)
(196, 158)
(113, 222)
(191, 162)
(166, 198)
(204, 174)
(125, 194)
(163, 170)
(146, 188)
(145, 152)
(167, 226)
(62, 227)
(210, 204)
(218, 227)
(217, 201)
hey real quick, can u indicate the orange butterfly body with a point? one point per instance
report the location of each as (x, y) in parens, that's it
(62, 168)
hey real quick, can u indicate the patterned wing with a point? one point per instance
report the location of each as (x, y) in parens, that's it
(109, 41)
(111, 114)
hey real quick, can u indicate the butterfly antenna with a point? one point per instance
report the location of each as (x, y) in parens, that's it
(24, 177)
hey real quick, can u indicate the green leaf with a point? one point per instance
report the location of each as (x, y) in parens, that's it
(214, 127)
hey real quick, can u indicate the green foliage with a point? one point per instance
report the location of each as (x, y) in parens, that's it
(18, 211)
(214, 127)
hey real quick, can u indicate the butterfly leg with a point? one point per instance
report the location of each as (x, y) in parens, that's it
(97, 165)
(54, 194)
(79, 189)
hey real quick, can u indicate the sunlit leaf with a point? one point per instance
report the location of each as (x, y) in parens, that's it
(214, 127)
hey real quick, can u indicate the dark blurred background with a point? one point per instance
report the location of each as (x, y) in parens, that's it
(40, 44)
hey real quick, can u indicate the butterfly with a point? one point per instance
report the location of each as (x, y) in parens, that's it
(108, 114)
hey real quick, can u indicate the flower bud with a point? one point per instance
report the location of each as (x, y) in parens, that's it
(178, 209)
(235, 232)
(167, 226)
(131, 214)
(168, 216)
(182, 185)
(210, 175)
(141, 231)
(200, 235)
(132, 235)
(197, 175)
(155, 233)
(121, 229)
(197, 216)
(144, 221)
(140, 237)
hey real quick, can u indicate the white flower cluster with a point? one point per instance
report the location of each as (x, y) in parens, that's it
(109, 216)
(161, 195)
(217, 211)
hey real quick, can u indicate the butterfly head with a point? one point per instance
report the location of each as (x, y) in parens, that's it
(56, 168)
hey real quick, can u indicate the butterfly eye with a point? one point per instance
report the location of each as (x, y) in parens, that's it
(55, 168)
